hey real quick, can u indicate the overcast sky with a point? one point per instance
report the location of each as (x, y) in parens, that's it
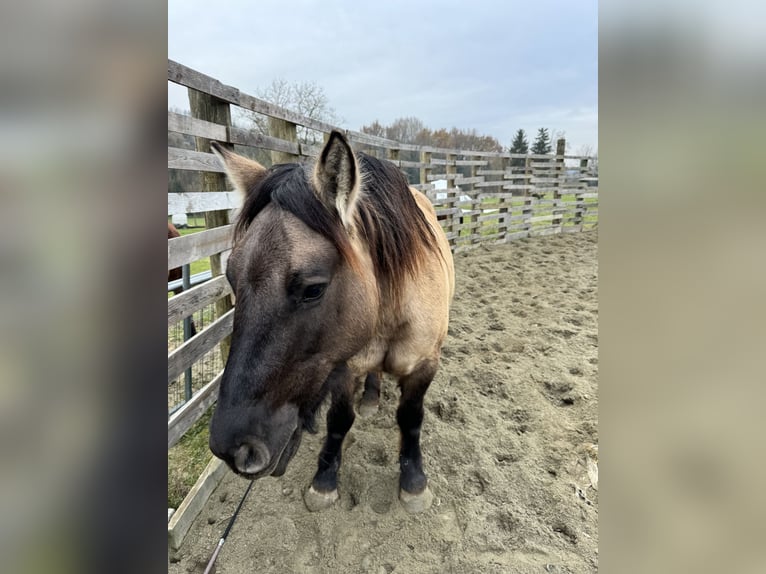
(495, 66)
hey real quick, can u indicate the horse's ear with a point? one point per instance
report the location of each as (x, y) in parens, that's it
(337, 177)
(243, 172)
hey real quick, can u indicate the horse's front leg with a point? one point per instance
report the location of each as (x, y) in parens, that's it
(323, 491)
(413, 483)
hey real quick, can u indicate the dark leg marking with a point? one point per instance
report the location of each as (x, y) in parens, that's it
(340, 417)
(409, 415)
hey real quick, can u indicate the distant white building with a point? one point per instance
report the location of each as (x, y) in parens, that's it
(442, 184)
(180, 220)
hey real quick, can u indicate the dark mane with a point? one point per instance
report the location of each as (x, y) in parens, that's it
(388, 216)
(395, 228)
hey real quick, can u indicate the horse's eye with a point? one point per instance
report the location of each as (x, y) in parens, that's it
(313, 292)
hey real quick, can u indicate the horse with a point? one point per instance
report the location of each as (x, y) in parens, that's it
(176, 273)
(341, 272)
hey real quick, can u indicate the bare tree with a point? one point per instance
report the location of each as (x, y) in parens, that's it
(585, 150)
(375, 129)
(411, 130)
(405, 130)
(305, 98)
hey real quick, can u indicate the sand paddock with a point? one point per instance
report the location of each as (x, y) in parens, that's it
(509, 442)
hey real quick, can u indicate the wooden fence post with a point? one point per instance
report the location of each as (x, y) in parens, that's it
(502, 221)
(580, 202)
(425, 170)
(526, 210)
(287, 131)
(560, 173)
(393, 155)
(454, 218)
(211, 109)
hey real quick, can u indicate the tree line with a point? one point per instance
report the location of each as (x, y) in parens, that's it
(411, 130)
(310, 100)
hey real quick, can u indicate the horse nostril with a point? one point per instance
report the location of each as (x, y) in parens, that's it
(251, 457)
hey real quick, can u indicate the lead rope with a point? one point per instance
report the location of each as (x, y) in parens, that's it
(211, 563)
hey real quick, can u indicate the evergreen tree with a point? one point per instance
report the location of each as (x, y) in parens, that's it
(542, 144)
(519, 145)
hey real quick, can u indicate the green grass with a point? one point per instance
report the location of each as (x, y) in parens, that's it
(187, 459)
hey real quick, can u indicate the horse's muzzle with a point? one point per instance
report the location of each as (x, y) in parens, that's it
(251, 457)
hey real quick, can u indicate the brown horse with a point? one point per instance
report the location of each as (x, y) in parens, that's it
(176, 273)
(340, 272)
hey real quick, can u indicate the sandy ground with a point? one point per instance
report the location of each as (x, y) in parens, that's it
(509, 442)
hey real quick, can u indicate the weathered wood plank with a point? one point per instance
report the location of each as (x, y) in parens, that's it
(195, 127)
(191, 300)
(458, 162)
(310, 150)
(500, 183)
(499, 195)
(193, 160)
(404, 163)
(183, 518)
(185, 76)
(188, 353)
(424, 187)
(188, 248)
(514, 175)
(198, 202)
(490, 217)
(185, 417)
(490, 172)
(447, 176)
(252, 138)
(539, 232)
(516, 235)
(468, 180)
(367, 139)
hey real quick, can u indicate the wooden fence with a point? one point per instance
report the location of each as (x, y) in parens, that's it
(485, 197)
(479, 197)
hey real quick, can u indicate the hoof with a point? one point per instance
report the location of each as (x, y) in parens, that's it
(366, 410)
(316, 501)
(413, 503)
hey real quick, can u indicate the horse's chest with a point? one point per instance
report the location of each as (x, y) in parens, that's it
(397, 358)
(370, 358)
